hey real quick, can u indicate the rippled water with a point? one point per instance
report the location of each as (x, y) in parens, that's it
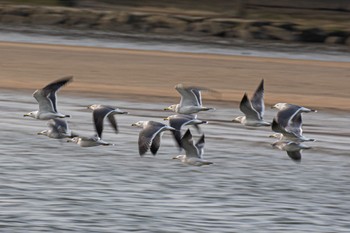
(52, 186)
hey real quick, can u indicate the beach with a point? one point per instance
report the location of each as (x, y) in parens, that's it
(152, 75)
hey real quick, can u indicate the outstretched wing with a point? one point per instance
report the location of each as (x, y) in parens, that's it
(99, 115)
(200, 146)
(50, 90)
(295, 155)
(188, 98)
(147, 135)
(187, 144)
(258, 99)
(246, 107)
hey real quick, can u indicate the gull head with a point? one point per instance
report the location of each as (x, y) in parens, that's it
(138, 124)
(93, 106)
(31, 114)
(239, 119)
(279, 136)
(44, 132)
(180, 157)
(279, 106)
(74, 140)
(171, 107)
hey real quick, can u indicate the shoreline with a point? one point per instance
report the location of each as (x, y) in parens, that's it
(139, 74)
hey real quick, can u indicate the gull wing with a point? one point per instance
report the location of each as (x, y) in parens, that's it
(45, 104)
(156, 143)
(187, 144)
(290, 119)
(50, 90)
(177, 122)
(58, 125)
(147, 135)
(247, 108)
(99, 115)
(188, 98)
(258, 99)
(294, 155)
(200, 146)
(276, 127)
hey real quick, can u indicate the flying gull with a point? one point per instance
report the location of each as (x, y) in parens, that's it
(99, 113)
(288, 122)
(253, 110)
(191, 100)
(47, 100)
(150, 135)
(293, 149)
(58, 129)
(179, 121)
(194, 152)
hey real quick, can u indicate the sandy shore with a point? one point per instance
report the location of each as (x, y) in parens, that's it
(150, 75)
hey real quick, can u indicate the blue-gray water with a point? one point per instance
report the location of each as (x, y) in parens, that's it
(52, 186)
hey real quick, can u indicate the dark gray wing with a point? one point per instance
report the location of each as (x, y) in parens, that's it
(276, 127)
(295, 155)
(147, 135)
(187, 144)
(200, 146)
(156, 143)
(246, 107)
(58, 125)
(113, 122)
(198, 95)
(290, 119)
(99, 115)
(258, 99)
(50, 90)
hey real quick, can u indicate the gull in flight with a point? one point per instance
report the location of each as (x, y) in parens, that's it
(288, 122)
(99, 113)
(293, 149)
(58, 129)
(47, 100)
(179, 121)
(194, 152)
(191, 100)
(253, 110)
(150, 135)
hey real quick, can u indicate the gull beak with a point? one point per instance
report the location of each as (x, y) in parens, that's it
(133, 124)
(166, 119)
(236, 121)
(166, 108)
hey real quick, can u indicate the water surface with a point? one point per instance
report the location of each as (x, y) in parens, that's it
(52, 186)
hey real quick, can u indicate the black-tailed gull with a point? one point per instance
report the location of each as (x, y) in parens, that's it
(191, 100)
(179, 121)
(194, 152)
(253, 110)
(150, 135)
(47, 100)
(293, 149)
(288, 122)
(100, 112)
(58, 129)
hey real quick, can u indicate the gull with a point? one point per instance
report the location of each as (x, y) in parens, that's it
(150, 135)
(291, 133)
(179, 121)
(58, 129)
(47, 100)
(194, 152)
(288, 122)
(191, 100)
(293, 149)
(254, 109)
(99, 113)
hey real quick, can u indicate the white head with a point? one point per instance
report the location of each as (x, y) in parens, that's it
(93, 106)
(279, 136)
(74, 140)
(33, 114)
(180, 157)
(239, 119)
(44, 132)
(279, 106)
(139, 124)
(172, 107)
